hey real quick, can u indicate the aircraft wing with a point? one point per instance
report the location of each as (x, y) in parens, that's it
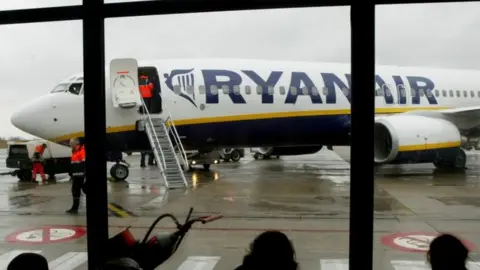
(464, 118)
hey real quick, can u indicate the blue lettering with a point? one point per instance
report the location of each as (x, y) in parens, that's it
(426, 87)
(348, 94)
(210, 79)
(330, 81)
(401, 92)
(272, 80)
(297, 79)
(385, 90)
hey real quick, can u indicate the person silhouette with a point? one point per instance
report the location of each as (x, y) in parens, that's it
(28, 260)
(270, 250)
(447, 252)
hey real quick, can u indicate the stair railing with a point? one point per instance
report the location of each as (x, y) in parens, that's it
(155, 138)
(176, 136)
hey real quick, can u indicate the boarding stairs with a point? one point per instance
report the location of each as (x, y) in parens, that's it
(167, 149)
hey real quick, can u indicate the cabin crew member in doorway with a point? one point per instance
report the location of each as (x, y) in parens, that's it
(37, 163)
(78, 173)
(146, 91)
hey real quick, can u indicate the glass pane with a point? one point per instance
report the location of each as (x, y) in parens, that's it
(27, 4)
(422, 186)
(271, 100)
(37, 74)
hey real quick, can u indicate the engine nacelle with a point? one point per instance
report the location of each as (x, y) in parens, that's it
(289, 151)
(414, 139)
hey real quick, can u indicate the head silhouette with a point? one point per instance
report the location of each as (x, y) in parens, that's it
(447, 252)
(28, 260)
(122, 264)
(271, 250)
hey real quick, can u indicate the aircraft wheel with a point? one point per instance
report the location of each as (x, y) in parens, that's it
(24, 175)
(255, 156)
(278, 157)
(206, 167)
(266, 157)
(119, 172)
(460, 160)
(235, 155)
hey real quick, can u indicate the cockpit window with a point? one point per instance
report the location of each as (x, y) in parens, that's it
(60, 88)
(75, 88)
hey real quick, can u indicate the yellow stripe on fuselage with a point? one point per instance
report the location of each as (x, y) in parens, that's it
(428, 146)
(257, 116)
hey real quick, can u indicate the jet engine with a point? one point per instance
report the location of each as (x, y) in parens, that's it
(414, 139)
(289, 151)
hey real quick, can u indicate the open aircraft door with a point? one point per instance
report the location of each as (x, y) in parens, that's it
(124, 83)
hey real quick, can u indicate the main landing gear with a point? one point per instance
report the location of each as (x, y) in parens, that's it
(457, 161)
(119, 171)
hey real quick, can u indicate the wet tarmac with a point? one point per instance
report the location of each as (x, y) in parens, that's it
(305, 196)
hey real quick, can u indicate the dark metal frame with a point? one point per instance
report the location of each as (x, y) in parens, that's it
(93, 13)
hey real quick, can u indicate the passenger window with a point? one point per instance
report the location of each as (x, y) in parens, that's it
(177, 89)
(403, 93)
(346, 91)
(236, 90)
(201, 89)
(437, 93)
(429, 93)
(472, 94)
(325, 90)
(190, 89)
(444, 93)
(259, 89)
(282, 90)
(450, 92)
(458, 93)
(380, 92)
(75, 88)
(305, 90)
(270, 90)
(478, 94)
(213, 90)
(465, 94)
(413, 92)
(386, 90)
(314, 91)
(248, 91)
(225, 89)
(421, 92)
(293, 90)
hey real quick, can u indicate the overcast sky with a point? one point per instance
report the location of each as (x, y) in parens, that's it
(34, 57)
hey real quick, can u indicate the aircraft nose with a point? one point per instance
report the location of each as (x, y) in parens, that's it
(30, 118)
(20, 119)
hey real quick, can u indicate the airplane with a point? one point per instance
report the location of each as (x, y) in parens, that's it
(423, 115)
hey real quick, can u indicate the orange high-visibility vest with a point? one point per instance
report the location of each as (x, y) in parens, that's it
(39, 148)
(146, 90)
(78, 161)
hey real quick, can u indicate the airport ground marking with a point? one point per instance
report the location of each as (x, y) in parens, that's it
(68, 261)
(199, 263)
(415, 241)
(73, 260)
(119, 211)
(47, 235)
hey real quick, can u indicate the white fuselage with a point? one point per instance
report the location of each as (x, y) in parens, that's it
(252, 103)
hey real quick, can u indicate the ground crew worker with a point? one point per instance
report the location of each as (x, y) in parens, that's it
(146, 91)
(78, 173)
(37, 163)
(151, 159)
